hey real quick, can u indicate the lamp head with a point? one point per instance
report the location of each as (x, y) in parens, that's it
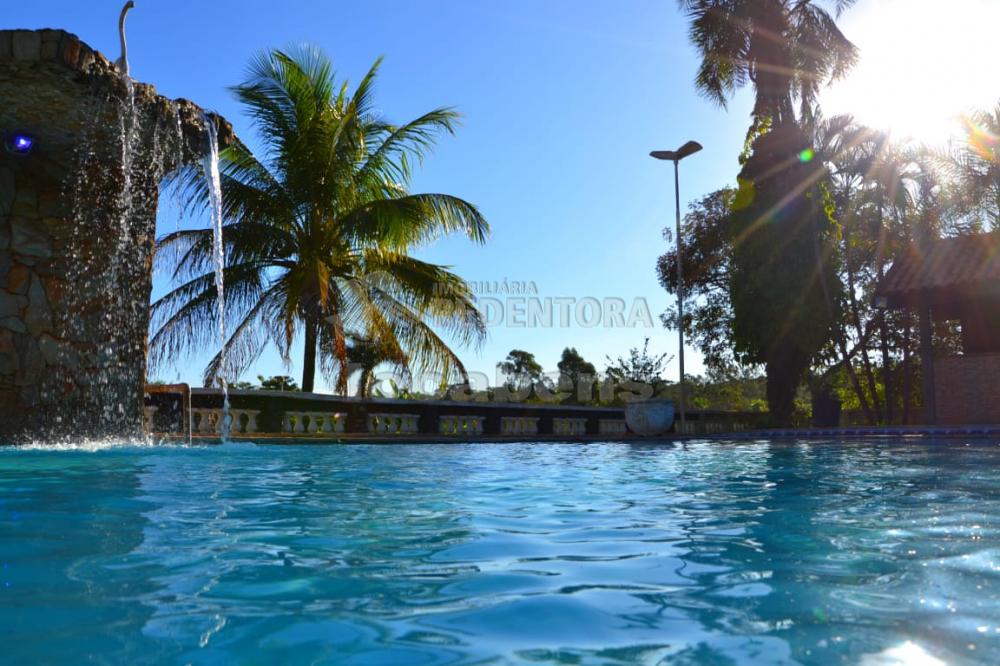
(689, 148)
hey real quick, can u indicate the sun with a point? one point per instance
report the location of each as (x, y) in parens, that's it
(923, 63)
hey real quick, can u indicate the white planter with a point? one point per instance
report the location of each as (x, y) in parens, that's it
(650, 417)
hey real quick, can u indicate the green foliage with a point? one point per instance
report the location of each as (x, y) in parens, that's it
(277, 383)
(639, 367)
(364, 355)
(732, 389)
(782, 278)
(707, 257)
(786, 50)
(577, 376)
(971, 170)
(521, 369)
(319, 230)
(783, 284)
(572, 365)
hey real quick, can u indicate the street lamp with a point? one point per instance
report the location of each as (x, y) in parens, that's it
(675, 156)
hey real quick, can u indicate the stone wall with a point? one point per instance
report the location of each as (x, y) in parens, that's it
(77, 224)
(967, 389)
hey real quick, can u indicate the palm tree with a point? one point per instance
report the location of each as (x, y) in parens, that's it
(318, 233)
(974, 168)
(785, 49)
(782, 279)
(367, 354)
(872, 187)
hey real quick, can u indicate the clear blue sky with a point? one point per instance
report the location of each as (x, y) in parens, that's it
(562, 101)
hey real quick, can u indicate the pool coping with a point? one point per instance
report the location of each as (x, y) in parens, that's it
(892, 433)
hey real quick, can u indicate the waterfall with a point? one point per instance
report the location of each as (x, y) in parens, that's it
(211, 168)
(113, 189)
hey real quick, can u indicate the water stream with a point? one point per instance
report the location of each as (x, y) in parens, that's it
(211, 168)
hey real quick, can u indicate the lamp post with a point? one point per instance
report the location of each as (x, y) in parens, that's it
(675, 156)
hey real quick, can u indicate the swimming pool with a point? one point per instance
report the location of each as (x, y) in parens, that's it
(696, 553)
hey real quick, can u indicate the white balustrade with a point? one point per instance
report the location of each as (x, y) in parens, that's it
(612, 427)
(393, 424)
(240, 425)
(206, 421)
(569, 426)
(313, 423)
(148, 414)
(518, 425)
(461, 425)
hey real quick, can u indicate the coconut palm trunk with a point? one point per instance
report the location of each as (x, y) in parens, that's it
(309, 357)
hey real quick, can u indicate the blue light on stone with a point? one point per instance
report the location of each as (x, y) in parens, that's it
(21, 144)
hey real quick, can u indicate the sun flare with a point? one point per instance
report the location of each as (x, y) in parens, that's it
(923, 64)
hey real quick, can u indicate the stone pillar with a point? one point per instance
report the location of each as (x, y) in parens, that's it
(77, 225)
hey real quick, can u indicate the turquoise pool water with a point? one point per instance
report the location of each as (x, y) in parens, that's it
(702, 553)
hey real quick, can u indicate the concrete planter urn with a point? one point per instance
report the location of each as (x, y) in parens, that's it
(649, 418)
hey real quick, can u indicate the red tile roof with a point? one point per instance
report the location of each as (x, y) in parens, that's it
(960, 261)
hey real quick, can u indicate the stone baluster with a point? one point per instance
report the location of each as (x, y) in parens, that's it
(236, 420)
(330, 422)
(294, 422)
(148, 414)
(447, 425)
(316, 421)
(204, 423)
(410, 424)
(252, 415)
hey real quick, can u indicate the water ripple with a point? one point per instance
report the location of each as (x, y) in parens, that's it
(701, 553)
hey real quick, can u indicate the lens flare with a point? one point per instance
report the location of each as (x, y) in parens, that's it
(985, 143)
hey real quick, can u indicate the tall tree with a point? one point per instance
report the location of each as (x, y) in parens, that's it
(521, 369)
(573, 365)
(973, 168)
(707, 257)
(782, 278)
(577, 375)
(319, 231)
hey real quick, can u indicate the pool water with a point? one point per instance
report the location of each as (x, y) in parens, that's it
(696, 553)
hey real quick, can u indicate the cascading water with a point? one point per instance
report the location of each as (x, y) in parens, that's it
(77, 238)
(211, 167)
(122, 157)
(108, 237)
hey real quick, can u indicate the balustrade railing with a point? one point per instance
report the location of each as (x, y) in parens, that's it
(461, 425)
(569, 426)
(518, 425)
(612, 427)
(393, 424)
(314, 423)
(319, 417)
